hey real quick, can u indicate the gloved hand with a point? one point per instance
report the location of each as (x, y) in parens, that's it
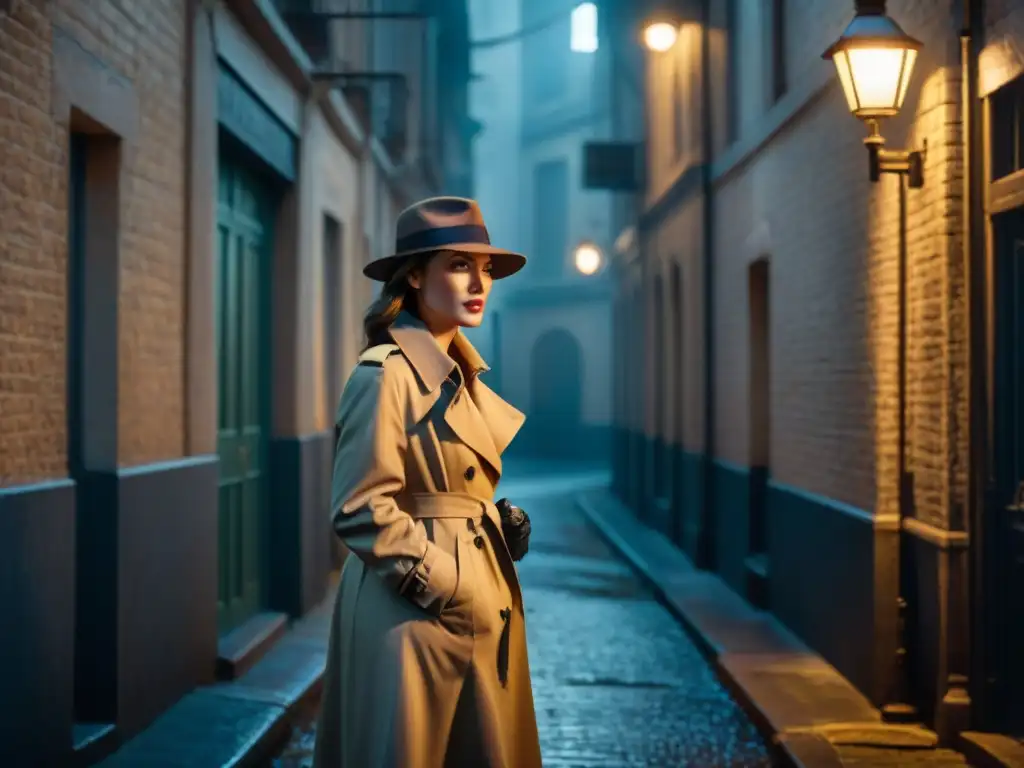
(515, 525)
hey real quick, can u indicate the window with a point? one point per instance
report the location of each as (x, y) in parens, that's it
(777, 49)
(332, 315)
(1007, 129)
(678, 114)
(551, 217)
(584, 28)
(546, 63)
(733, 71)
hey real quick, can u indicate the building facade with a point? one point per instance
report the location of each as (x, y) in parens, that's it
(540, 95)
(191, 190)
(762, 424)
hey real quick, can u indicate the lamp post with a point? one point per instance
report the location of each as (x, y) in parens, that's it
(874, 59)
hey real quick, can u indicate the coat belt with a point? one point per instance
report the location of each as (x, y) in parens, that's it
(446, 504)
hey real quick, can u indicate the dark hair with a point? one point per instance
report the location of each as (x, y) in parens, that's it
(395, 296)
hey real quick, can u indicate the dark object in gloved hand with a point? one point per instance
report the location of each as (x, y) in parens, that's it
(515, 524)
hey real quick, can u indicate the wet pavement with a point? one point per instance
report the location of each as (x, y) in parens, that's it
(617, 682)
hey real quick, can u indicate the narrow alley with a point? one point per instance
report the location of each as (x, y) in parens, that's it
(617, 682)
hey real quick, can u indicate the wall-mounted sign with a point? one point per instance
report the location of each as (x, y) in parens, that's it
(612, 165)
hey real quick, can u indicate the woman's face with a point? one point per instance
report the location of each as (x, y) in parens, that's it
(453, 289)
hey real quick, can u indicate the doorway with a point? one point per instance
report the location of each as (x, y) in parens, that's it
(93, 286)
(759, 372)
(245, 242)
(1004, 528)
(556, 393)
(634, 384)
(660, 493)
(678, 450)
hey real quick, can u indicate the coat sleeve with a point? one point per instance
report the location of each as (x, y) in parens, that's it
(369, 472)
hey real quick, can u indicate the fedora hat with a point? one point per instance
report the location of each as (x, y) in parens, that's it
(443, 224)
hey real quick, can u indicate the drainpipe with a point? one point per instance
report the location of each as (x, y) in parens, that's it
(706, 542)
(966, 668)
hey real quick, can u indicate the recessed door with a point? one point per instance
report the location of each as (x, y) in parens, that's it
(556, 393)
(243, 223)
(1005, 525)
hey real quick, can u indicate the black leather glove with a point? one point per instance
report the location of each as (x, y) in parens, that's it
(515, 525)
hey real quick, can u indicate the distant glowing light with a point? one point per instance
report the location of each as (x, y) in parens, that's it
(660, 36)
(588, 258)
(583, 37)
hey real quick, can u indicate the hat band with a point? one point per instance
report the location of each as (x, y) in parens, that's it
(439, 237)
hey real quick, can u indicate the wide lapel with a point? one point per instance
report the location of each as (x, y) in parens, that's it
(471, 428)
(500, 420)
(503, 420)
(426, 359)
(432, 368)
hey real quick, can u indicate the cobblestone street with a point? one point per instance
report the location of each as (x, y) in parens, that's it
(616, 680)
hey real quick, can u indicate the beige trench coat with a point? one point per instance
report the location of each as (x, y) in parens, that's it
(427, 663)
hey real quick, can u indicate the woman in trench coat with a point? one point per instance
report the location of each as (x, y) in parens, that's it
(427, 663)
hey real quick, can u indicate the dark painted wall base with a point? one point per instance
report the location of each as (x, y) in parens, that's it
(583, 443)
(167, 584)
(825, 570)
(300, 556)
(688, 500)
(114, 595)
(37, 592)
(829, 572)
(730, 489)
(937, 586)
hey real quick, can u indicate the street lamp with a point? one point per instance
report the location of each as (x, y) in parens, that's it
(588, 258)
(660, 33)
(874, 59)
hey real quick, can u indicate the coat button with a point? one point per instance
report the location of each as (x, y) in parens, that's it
(479, 542)
(470, 473)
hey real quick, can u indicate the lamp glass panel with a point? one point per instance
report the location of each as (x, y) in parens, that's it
(908, 69)
(876, 75)
(842, 62)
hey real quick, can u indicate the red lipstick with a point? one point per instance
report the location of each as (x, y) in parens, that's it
(475, 306)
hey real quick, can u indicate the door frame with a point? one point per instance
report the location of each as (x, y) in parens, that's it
(999, 197)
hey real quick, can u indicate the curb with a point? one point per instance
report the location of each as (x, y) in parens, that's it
(798, 749)
(245, 722)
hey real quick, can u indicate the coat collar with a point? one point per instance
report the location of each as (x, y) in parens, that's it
(431, 363)
(432, 366)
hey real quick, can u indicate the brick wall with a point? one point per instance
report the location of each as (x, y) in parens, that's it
(802, 199)
(144, 43)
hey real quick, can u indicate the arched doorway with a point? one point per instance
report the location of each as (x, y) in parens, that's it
(556, 393)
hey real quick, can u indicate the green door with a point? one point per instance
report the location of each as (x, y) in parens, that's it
(243, 216)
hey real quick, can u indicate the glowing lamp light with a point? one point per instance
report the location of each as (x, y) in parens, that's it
(588, 258)
(660, 36)
(874, 59)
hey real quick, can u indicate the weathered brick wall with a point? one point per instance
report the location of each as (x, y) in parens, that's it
(31, 257)
(146, 44)
(805, 202)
